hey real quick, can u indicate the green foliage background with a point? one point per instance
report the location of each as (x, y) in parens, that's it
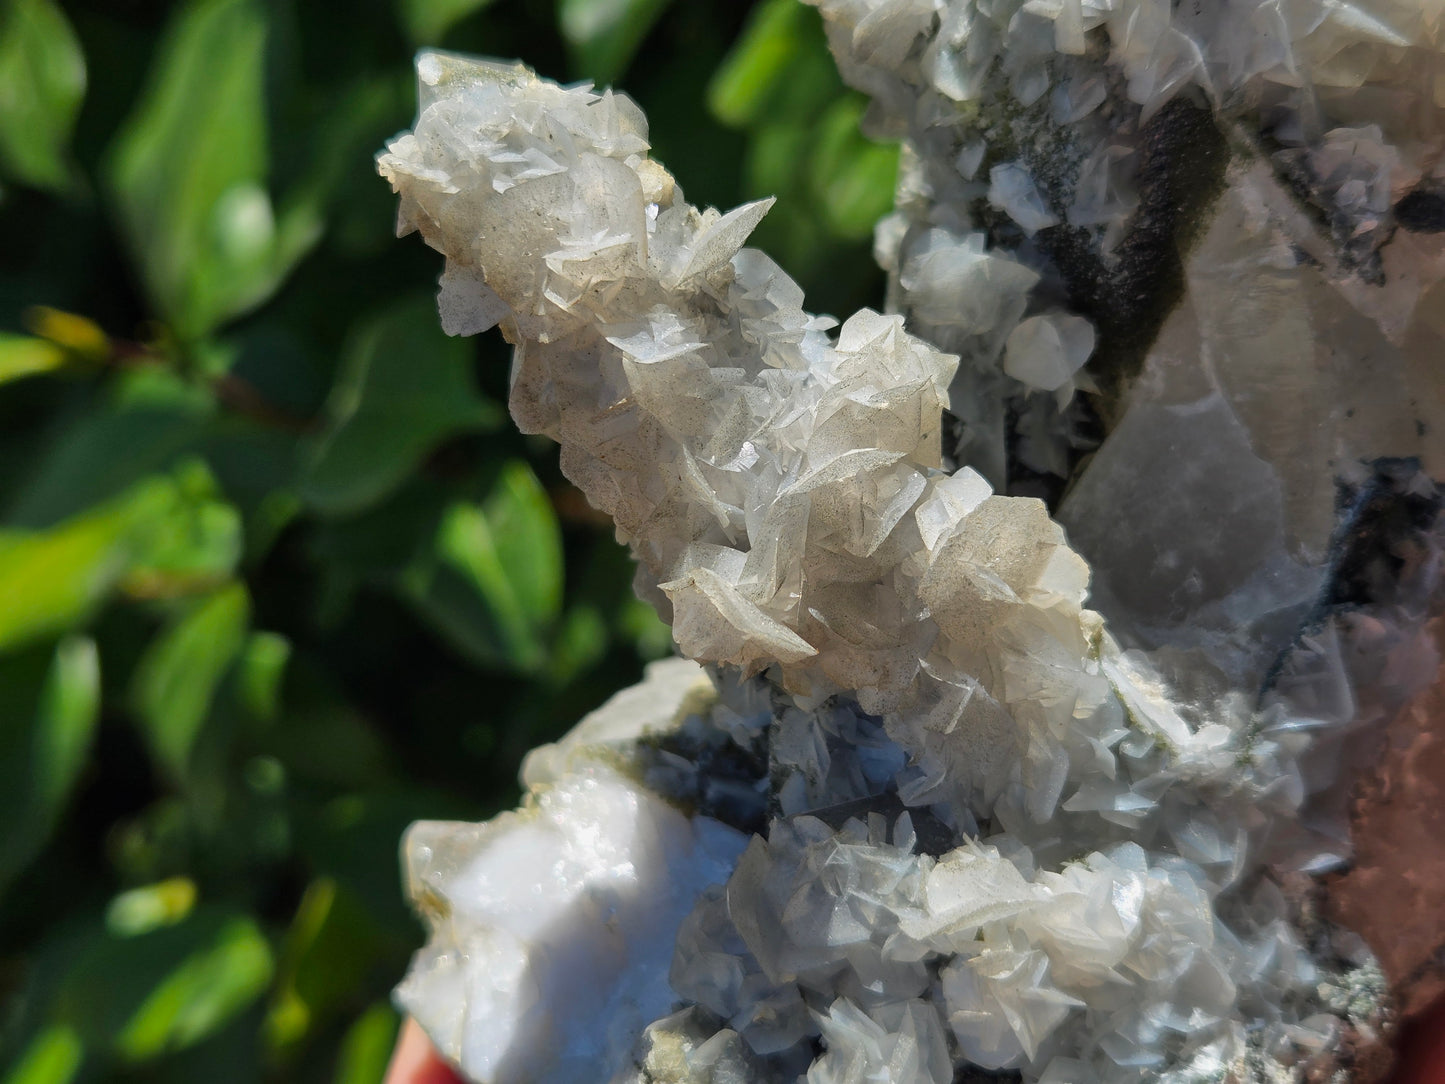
(276, 575)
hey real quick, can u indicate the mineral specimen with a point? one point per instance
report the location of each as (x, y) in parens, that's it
(1233, 194)
(920, 812)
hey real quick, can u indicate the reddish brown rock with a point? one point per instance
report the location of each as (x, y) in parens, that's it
(1394, 893)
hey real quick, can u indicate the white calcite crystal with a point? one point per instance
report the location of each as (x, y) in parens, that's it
(552, 927)
(919, 813)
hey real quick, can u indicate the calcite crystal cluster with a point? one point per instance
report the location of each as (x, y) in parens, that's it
(1244, 202)
(909, 810)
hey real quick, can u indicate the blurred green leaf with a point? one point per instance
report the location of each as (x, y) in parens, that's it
(581, 642)
(69, 708)
(154, 843)
(195, 546)
(261, 668)
(165, 386)
(188, 172)
(199, 996)
(650, 635)
(99, 455)
(493, 582)
(379, 542)
(22, 355)
(321, 964)
(366, 1049)
(177, 676)
(852, 176)
(151, 907)
(329, 743)
(53, 1057)
(70, 331)
(774, 154)
(764, 58)
(51, 580)
(528, 541)
(604, 35)
(426, 21)
(52, 713)
(404, 387)
(42, 83)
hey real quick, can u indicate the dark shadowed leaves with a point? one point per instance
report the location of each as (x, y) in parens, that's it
(427, 21)
(50, 700)
(603, 35)
(138, 998)
(492, 580)
(404, 388)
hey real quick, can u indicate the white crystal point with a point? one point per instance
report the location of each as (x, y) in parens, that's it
(900, 1041)
(1012, 190)
(552, 928)
(670, 688)
(1045, 352)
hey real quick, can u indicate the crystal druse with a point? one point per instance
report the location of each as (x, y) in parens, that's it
(909, 809)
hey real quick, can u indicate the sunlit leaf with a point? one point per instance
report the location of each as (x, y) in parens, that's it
(404, 387)
(603, 35)
(528, 540)
(151, 907)
(177, 676)
(366, 1048)
(202, 994)
(23, 355)
(427, 21)
(193, 548)
(53, 1057)
(493, 583)
(51, 713)
(188, 172)
(69, 708)
(853, 177)
(70, 331)
(52, 580)
(183, 538)
(42, 83)
(764, 57)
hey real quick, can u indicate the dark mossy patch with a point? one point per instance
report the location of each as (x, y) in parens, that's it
(1181, 171)
(1382, 522)
(1421, 211)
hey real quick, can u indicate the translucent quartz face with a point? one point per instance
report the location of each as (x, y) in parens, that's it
(919, 810)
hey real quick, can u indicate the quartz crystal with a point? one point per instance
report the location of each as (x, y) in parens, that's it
(916, 810)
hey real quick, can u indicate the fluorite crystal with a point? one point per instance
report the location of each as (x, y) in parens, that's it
(919, 812)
